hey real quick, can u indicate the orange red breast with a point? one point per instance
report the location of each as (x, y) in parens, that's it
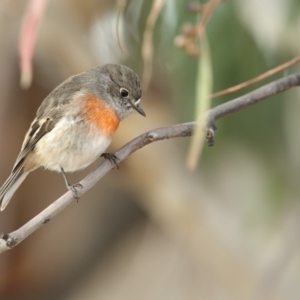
(100, 114)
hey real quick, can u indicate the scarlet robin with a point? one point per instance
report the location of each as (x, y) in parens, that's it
(75, 123)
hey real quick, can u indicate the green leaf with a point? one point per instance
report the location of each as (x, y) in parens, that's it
(204, 84)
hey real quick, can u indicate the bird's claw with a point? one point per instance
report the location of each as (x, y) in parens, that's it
(112, 158)
(75, 189)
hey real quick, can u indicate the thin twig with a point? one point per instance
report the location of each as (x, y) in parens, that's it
(190, 33)
(258, 78)
(8, 241)
(147, 46)
(266, 91)
(121, 6)
(207, 11)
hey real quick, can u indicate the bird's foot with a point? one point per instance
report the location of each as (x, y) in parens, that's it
(112, 158)
(75, 189)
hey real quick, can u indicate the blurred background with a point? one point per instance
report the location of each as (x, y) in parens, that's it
(154, 230)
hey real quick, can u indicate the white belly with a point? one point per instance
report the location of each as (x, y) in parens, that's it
(69, 148)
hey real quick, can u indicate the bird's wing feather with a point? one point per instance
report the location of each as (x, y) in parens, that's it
(49, 113)
(37, 130)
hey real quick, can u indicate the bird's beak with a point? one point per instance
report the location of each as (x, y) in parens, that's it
(137, 107)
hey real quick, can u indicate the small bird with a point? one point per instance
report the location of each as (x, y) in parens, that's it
(75, 123)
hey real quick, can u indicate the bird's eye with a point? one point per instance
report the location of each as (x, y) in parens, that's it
(124, 93)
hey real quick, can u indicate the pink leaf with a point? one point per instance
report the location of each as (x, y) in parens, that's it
(28, 35)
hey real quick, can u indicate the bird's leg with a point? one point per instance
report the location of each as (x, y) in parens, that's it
(74, 188)
(111, 157)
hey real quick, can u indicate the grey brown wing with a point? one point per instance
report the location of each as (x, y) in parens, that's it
(38, 129)
(61, 95)
(48, 114)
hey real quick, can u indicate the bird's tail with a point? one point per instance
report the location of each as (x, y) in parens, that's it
(11, 185)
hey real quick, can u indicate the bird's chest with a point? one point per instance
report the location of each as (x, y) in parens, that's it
(85, 151)
(79, 139)
(98, 113)
(72, 146)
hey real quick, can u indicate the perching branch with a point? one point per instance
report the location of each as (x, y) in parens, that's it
(8, 241)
